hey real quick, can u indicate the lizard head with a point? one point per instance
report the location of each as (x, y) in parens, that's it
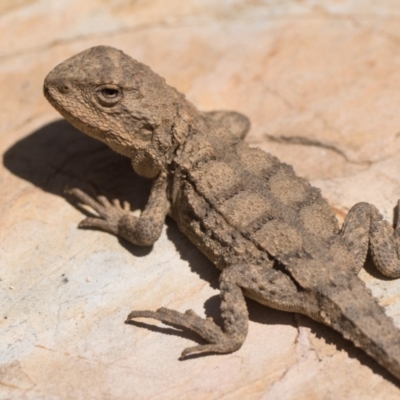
(111, 97)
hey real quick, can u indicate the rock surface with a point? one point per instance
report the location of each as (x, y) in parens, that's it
(321, 84)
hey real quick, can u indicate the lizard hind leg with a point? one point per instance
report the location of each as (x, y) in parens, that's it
(266, 285)
(364, 228)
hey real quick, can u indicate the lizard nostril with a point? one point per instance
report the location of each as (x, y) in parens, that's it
(64, 88)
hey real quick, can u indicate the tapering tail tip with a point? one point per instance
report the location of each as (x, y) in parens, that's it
(356, 314)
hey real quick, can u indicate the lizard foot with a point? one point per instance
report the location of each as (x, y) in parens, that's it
(219, 341)
(109, 213)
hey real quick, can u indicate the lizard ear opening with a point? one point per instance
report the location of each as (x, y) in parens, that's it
(108, 95)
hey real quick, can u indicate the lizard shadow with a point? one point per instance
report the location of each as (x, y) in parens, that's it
(58, 156)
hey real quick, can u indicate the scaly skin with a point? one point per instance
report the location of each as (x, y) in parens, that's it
(272, 235)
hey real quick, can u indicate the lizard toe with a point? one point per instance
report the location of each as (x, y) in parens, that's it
(226, 346)
(93, 222)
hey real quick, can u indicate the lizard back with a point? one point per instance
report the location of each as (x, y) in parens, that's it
(234, 201)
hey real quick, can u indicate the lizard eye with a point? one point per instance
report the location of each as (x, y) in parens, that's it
(108, 95)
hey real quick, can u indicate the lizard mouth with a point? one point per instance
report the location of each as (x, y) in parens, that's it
(51, 95)
(48, 93)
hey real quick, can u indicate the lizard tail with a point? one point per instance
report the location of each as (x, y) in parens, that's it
(355, 313)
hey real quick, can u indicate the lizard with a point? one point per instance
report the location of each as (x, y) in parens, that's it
(274, 237)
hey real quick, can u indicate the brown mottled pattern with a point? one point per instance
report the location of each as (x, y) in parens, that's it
(279, 238)
(217, 180)
(287, 189)
(257, 161)
(246, 208)
(248, 202)
(327, 227)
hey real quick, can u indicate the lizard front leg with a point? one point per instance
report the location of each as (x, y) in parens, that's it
(364, 228)
(265, 285)
(118, 220)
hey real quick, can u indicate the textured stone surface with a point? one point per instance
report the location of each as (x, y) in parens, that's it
(320, 82)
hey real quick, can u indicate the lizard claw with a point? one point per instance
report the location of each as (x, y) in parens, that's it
(93, 222)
